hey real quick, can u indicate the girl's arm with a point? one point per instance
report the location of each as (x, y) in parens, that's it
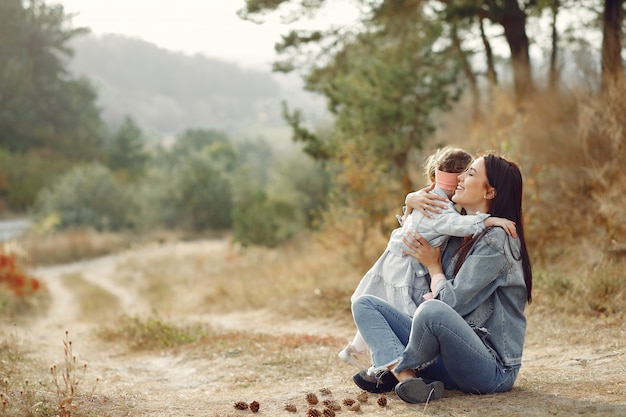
(429, 203)
(506, 224)
(452, 223)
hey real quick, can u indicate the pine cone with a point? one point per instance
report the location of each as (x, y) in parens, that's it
(356, 406)
(313, 412)
(332, 404)
(382, 401)
(240, 405)
(348, 402)
(328, 412)
(311, 398)
(291, 408)
(362, 397)
(254, 407)
(325, 391)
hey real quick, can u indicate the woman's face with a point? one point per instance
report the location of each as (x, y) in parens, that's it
(473, 191)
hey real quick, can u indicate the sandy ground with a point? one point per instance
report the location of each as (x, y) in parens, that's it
(566, 371)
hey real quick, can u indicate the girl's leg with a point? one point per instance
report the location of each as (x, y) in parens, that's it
(440, 333)
(384, 328)
(358, 343)
(354, 352)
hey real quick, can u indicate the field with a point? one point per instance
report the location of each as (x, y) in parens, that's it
(191, 328)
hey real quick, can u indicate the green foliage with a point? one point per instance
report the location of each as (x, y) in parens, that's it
(126, 152)
(193, 142)
(273, 209)
(385, 81)
(385, 87)
(314, 145)
(22, 176)
(203, 194)
(306, 184)
(262, 220)
(255, 165)
(42, 107)
(189, 185)
(88, 196)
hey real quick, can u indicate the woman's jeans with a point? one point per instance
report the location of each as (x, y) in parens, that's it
(437, 343)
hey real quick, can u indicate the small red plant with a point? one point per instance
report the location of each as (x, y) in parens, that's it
(15, 278)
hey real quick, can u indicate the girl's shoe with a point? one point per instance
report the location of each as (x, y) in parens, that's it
(415, 390)
(350, 355)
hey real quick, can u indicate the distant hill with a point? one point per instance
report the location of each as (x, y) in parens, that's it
(167, 92)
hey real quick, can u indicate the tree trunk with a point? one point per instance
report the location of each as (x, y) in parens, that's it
(612, 65)
(553, 78)
(513, 20)
(492, 76)
(469, 73)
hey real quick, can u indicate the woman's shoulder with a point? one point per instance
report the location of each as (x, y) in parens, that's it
(494, 237)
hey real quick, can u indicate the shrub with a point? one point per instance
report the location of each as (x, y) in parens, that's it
(261, 220)
(194, 194)
(88, 196)
(14, 278)
(17, 287)
(22, 176)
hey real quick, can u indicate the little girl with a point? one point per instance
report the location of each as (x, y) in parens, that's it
(400, 279)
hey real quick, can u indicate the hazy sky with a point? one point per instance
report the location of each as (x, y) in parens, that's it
(211, 27)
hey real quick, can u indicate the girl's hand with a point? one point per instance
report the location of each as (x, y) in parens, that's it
(506, 224)
(426, 202)
(422, 251)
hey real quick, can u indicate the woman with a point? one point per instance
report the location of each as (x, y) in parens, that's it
(401, 280)
(470, 336)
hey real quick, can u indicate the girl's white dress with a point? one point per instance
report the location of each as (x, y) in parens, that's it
(400, 279)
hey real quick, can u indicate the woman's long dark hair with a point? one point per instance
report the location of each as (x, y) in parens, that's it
(506, 178)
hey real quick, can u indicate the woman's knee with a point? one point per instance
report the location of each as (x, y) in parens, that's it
(431, 309)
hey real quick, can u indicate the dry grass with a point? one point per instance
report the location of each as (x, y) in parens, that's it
(70, 246)
(300, 279)
(94, 302)
(40, 248)
(24, 392)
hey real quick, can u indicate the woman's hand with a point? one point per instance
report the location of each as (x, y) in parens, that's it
(422, 251)
(427, 202)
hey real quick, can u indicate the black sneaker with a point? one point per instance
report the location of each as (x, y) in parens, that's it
(386, 382)
(415, 390)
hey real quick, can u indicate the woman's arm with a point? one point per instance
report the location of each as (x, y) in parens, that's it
(425, 201)
(479, 271)
(428, 256)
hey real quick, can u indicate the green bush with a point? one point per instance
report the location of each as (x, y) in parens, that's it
(22, 176)
(88, 196)
(193, 194)
(204, 195)
(261, 220)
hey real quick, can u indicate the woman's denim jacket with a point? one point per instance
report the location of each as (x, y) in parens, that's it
(489, 292)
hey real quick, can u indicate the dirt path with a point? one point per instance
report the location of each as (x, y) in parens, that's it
(560, 379)
(153, 383)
